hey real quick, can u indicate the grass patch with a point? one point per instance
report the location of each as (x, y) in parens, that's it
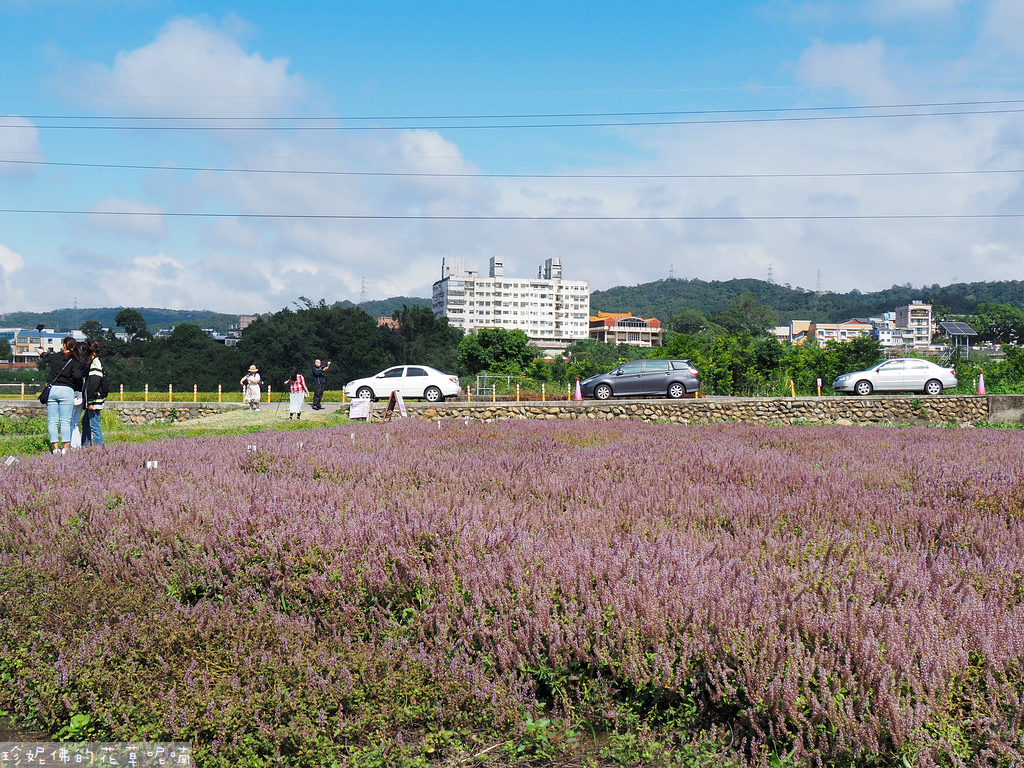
(29, 436)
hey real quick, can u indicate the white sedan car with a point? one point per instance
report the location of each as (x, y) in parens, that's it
(906, 374)
(410, 381)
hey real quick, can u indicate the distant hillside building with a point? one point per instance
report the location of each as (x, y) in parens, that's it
(551, 311)
(917, 318)
(25, 343)
(623, 328)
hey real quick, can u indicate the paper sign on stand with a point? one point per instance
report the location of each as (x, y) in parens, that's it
(395, 400)
(360, 408)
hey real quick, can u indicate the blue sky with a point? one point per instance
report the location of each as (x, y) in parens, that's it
(236, 156)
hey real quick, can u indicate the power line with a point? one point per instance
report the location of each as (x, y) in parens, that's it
(259, 124)
(532, 116)
(606, 92)
(455, 217)
(552, 176)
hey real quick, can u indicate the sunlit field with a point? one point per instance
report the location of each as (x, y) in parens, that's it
(556, 592)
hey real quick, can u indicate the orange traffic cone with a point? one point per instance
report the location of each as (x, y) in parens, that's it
(579, 394)
(981, 383)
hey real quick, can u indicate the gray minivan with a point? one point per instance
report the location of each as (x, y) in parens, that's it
(658, 377)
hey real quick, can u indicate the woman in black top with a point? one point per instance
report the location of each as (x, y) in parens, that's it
(65, 377)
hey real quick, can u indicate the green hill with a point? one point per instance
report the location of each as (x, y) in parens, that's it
(666, 298)
(662, 299)
(156, 319)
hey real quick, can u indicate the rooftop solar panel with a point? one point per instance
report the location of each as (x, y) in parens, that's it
(958, 329)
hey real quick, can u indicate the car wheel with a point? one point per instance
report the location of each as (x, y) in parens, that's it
(676, 390)
(433, 395)
(364, 393)
(863, 388)
(933, 387)
(602, 391)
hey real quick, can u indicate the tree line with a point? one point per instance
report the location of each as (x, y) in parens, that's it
(730, 348)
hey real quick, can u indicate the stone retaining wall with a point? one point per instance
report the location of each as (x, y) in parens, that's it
(130, 412)
(878, 409)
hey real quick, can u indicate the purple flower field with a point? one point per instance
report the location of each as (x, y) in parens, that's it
(610, 592)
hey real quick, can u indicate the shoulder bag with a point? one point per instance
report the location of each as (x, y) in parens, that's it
(44, 394)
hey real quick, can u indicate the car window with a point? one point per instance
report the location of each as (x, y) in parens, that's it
(655, 366)
(892, 365)
(681, 365)
(416, 372)
(916, 364)
(633, 367)
(394, 373)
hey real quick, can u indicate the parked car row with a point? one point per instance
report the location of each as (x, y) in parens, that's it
(658, 377)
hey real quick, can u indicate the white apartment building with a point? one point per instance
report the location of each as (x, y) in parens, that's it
(916, 317)
(551, 311)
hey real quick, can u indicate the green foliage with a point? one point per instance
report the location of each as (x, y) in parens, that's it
(133, 322)
(346, 336)
(92, 329)
(999, 322)
(187, 357)
(5, 349)
(424, 339)
(667, 299)
(496, 350)
(744, 313)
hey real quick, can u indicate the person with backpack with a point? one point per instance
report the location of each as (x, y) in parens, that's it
(95, 393)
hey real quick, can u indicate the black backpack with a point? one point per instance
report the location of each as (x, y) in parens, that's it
(104, 388)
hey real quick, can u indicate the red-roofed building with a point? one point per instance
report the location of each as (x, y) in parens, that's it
(623, 328)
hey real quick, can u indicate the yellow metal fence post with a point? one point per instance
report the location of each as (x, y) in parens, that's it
(219, 398)
(170, 393)
(22, 390)
(543, 394)
(195, 393)
(122, 393)
(147, 393)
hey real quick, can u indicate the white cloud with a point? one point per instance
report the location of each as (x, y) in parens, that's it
(858, 67)
(19, 144)
(874, 11)
(129, 217)
(1004, 25)
(905, 9)
(192, 68)
(10, 261)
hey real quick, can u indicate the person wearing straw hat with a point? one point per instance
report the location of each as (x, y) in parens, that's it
(251, 388)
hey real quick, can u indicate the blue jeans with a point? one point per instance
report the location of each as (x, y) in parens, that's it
(59, 406)
(92, 432)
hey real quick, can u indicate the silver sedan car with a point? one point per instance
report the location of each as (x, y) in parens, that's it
(905, 374)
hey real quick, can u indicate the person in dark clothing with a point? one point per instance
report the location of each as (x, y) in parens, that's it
(319, 382)
(92, 432)
(65, 379)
